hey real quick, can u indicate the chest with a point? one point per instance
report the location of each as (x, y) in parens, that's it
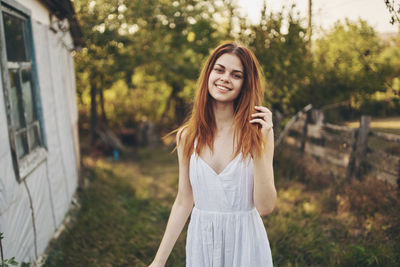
(222, 154)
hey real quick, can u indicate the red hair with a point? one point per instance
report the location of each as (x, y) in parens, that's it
(201, 124)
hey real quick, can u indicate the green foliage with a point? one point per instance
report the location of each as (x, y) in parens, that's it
(150, 53)
(347, 65)
(283, 54)
(6, 262)
(343, 224)
(164, 41)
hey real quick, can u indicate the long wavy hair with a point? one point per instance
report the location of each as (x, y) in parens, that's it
(201, 125)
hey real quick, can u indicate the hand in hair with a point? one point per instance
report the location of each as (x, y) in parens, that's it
(263, 117)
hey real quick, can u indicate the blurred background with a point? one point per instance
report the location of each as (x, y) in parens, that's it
(141, 60)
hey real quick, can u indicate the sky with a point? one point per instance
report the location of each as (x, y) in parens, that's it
(327, 12)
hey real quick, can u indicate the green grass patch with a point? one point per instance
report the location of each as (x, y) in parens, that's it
(317, 221)
(123, 214)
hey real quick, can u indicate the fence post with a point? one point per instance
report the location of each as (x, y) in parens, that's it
(304, 134)
(317, 116)
(359, 148)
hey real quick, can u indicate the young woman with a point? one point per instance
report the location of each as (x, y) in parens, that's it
(225, 153)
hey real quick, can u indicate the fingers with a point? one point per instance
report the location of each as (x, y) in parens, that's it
(262, 109)
(258, 114)
(262, 117)
(260, 121)
(264, 113)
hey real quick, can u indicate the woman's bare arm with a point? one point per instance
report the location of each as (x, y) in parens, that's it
(180, 211)
(264, 186)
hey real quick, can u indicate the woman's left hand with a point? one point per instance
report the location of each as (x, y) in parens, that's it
(264, 118)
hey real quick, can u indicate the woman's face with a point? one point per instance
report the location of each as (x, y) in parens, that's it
(226, 78)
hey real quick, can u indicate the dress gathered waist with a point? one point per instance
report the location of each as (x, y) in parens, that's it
(233, 212)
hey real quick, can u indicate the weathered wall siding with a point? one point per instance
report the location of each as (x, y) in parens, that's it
(17, 223)
(56, 174)
(17, 219)
(54, 181)
(5, 157)
(39, 11)
(73, 106)
(38, 187)
(70, 83)
(63, 111)
(7, 186)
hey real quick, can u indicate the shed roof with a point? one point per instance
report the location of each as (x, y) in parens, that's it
(64, 9)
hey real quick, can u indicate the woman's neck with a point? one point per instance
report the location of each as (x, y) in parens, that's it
(223, 113)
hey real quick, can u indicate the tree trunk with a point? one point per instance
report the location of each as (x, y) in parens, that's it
(178, 103)
(309, 27)
(103, 111)
(180, 111)
(93, 110)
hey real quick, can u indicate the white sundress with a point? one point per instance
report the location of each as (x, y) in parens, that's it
(225, 228)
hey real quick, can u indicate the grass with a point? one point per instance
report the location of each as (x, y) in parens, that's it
(319, 220)
(123, 213)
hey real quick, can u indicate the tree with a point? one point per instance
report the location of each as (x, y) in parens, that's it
(100, 22)
(283, 54)
(394, 10)
(347, 65)
(165, 41)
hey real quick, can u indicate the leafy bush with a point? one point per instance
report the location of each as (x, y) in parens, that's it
(6, 262)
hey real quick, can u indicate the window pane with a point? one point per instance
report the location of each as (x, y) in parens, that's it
(16, 98)
(15, 39)
(33, 137)
(29, 104)
(22, 144)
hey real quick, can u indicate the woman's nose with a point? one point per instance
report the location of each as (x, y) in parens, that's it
(225, 77)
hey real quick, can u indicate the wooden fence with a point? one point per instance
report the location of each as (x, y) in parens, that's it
(356, 152)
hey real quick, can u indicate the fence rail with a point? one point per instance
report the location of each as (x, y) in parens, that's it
(358, 151)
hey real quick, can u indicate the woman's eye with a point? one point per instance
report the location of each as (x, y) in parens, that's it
(237, 76)
(218, 70)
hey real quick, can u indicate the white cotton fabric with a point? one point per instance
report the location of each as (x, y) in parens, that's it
(225, 228)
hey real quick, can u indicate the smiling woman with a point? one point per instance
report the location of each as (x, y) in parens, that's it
(226, 179)
(226, 77)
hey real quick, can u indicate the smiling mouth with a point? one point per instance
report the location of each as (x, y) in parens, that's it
(223, 88)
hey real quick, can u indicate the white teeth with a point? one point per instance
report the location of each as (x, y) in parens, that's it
(222, 88)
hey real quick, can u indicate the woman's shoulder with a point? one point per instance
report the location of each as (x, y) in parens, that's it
(184, 145)
(181, 135)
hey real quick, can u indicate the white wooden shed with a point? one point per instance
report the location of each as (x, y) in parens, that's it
(39, 145)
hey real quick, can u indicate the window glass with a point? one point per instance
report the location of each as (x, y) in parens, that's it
(27, 95)
(22, 145)
(16, 98)
(15, 38)
(33, 137)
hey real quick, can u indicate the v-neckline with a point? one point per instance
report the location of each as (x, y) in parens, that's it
(226, 167)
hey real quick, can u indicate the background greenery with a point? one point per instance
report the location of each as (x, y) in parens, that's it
(142, 59)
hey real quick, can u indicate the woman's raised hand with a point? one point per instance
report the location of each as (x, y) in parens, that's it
(263, 117)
